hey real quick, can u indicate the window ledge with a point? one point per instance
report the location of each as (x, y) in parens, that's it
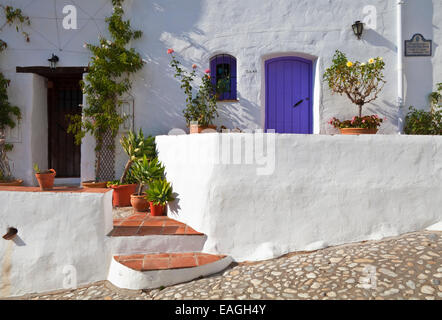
(227, 100)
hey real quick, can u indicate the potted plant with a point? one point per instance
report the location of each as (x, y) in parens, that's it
(45, 178)
(123, 191)
(145, 171)
(158, 195)
(201, 108)
(421, 122)
(361, 83)
(135, 146)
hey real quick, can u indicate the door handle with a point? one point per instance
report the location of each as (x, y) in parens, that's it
(300, 101)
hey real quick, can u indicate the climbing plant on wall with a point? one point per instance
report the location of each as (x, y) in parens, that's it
(9, 113)
(110, 68)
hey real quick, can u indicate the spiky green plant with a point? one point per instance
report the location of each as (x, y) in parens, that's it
(159, 192)
(145, 171)
(136, 146)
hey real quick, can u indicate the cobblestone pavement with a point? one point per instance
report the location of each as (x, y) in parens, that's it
(120, 213)
(407, 267)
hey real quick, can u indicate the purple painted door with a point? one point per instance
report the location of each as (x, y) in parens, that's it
(289, 107)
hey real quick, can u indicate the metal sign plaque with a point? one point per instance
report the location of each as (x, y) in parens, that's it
(418, 46)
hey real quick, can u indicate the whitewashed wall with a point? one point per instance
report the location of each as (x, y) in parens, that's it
(61, 240)
(306, 193)
(30, 137)
(250, 30)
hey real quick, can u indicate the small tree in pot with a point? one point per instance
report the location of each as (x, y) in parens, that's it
(361, 83)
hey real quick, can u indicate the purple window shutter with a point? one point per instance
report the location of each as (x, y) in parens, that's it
(232, 94)
(226, 60)
(213, 72)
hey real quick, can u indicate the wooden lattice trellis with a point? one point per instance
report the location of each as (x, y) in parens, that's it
(106, 170)
(5, 170)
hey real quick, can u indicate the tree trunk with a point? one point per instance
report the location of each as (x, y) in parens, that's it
(140, 189)
(97, 166)
(360, 110)
(126, 170)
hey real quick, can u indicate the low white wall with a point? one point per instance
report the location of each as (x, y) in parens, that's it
(321, 190)
(61, 236)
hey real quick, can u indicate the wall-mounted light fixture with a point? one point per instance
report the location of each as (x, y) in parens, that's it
(10, 234)
(53, 61)
(358, 29)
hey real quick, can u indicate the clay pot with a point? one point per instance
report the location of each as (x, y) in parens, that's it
(194, 128)
(139, 203)
(46, 179)
(357, 131)
(14, 183)
(94, 185)
(122, 193)
(157, 210)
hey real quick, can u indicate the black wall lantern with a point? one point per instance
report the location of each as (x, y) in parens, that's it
(53, 60)
(358, 29)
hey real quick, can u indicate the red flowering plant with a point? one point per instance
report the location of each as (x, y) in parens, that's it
(361, 83)
(367, 122)
(201, 107)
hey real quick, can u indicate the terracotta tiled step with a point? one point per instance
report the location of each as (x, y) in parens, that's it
(164, 261)
(148, 271)
(142, 224)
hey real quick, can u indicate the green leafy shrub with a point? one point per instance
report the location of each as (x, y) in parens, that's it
(421, 122)
(159, 192)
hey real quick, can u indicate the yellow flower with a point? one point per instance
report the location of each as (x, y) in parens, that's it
(349, 64)
(362, 64)
(371, 61)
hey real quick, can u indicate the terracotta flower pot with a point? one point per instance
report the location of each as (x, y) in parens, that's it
(46, 179)
(93, 184)
(198, 129)
(139, 203)
(156, 210)
(122, 193)
(14, 183)
(357, 131)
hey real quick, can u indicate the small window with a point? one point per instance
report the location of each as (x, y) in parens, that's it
(223, 73)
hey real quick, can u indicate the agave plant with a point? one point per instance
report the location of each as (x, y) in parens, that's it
(136, 146)
(145, 171)
(159, 192)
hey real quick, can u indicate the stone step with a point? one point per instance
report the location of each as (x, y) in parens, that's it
(142, 224)
(149, 271)
(140, 233)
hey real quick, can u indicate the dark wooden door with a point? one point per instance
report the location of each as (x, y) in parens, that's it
(64, 98)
